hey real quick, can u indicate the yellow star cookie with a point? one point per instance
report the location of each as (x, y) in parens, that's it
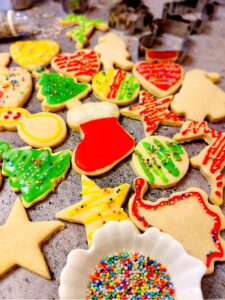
(20, 242)
(97, 207)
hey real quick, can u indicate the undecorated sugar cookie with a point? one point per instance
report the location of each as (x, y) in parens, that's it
(199, 97)
(97, 206)
(82, 65)
(4, 59)
(57, 92)
(187, 216)
(116, 86)
(21, 242)
(160, 79)
(160, 160)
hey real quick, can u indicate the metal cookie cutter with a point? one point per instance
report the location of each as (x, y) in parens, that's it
(167, 41)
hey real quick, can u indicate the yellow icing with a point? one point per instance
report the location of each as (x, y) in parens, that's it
(102, 81)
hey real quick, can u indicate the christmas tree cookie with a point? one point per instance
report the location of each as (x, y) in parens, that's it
(57, 91)
(34, 172)
(4, 147)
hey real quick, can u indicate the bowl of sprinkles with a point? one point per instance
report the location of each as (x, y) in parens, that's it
(124, 264)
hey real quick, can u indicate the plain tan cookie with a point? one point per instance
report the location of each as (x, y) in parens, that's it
(4, 59)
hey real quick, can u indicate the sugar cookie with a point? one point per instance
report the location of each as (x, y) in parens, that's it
(199, 97)
(57, 92)
(97, 206)
(21, 241)
(84, 28)
(15, 87)
(4, 147)
(33, 54)
(211, 160)
(82, 65)
(113, 51)
(38, 130)
(152, 112)
(160, 160)
(160, 79)
(34, 172)
(4, 59)
(187, 216)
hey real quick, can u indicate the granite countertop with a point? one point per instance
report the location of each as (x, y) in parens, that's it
(206, 51)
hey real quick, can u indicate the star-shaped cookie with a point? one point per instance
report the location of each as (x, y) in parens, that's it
(97, 207)
(20, 242)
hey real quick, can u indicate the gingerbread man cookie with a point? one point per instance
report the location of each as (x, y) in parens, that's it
(152, 112)
(57, 92)
(211, 160)
(116, 86)
(15, 87)
(4, 59)
(38, 130)
(33, 54)
(187, 216)
(199, 97)
(160, 160)
(97, 207)
(159, 79)
(82, 65)
(113, 51)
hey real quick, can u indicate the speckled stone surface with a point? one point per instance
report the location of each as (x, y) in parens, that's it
(206, 51)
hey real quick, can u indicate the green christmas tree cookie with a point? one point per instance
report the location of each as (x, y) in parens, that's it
(4, 147)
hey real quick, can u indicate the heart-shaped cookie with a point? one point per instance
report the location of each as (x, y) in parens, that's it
(15, 87)
(160, 79)
(82, 65)
(34, 54)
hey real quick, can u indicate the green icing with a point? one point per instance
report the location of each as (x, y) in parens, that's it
(35, 172)
(74, 18)
(128, 87)
(59, 89)
(4, 147)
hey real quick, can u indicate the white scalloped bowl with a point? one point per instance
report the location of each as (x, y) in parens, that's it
(185, 270)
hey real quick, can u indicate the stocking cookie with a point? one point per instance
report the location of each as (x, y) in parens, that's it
(84, 28)
(21, 242)
(82, 65)
(4, 59)
(57, 92)
(34, 172)
(113, 51)
(160, 79)
(38, 130)
(199, 97)
(116, 86)
(33, 54)
(97, 206)
(211, 160)
(160, 160)
(187, 216)
(15, 87)
(152, 112)
(105, 143)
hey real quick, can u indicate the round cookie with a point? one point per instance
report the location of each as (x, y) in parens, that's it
(160, 160)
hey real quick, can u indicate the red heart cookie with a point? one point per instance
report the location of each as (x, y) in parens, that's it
(82, 65)
(160, 79)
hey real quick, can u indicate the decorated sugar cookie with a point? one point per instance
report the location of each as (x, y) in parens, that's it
(105, 143)
(82, 65)
(211, 160)
(34, 172)
(21, 242)
(4, 147)
(84, 28)
(187, 216)
(4, 59)
(33, 54)
(113, 51)
(38, 130)
(116, 86)
(152, 112)
(57, 91)
(97, 206)
(160, 160)
(199, 97)
(160, 79)
(15, 87)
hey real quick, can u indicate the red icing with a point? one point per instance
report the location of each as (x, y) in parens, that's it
(105, 143)
(1, 94)
(162, 55)
(12, 115)
(114, 87)
(163, 75)
(78, 64)
(138, 202)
